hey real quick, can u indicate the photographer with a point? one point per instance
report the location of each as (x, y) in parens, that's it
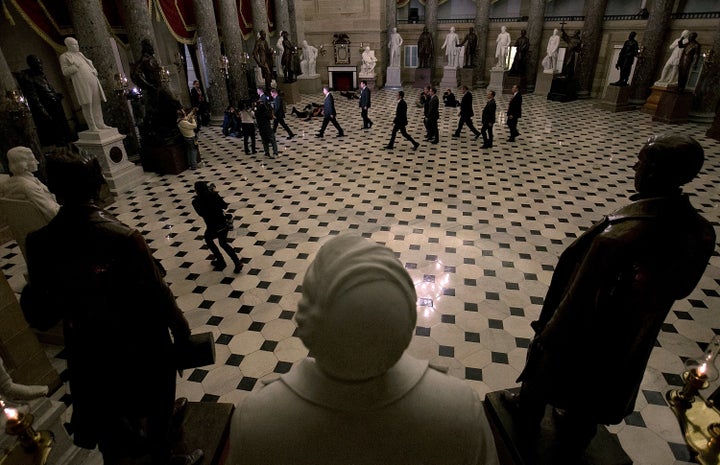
(187, 125)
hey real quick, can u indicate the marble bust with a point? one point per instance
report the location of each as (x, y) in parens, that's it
(502, 47)
(368, 62)
(23, 185)
(357, 316)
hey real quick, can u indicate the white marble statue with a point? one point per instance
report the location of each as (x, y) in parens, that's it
(357, 316)
(550, 61)
(23, 185)
(451, 48)
(368, 62)
(461, 56)
(669, 73)
(310, 55)
(280, 51)
(502, 48)
(12, 391)
(88, 89)
(395, 41)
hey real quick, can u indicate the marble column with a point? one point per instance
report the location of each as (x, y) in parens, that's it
(7, 81)
(390, 23)
(233, 41)
(138, 24)
(293, 21)
(592, 39)
(208, 44)
(431, 7)
(94, 38)
(282, 19)
(259, 18)
(536, 20)
(646, 69)
(707, 91)
(482, 13)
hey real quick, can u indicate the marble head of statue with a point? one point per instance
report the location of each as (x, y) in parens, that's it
(21, 160)
(666, 162)
(358, 309)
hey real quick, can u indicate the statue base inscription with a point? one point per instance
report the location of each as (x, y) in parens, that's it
(450, 78)
(290, 91)
(309, 84)
(422, 77)
(467, 77)
(497, 77)
(673, 107)
(547, 447)
(107, 146)
(543, 83)
(563, 89)
(393, 81)
(616, 99)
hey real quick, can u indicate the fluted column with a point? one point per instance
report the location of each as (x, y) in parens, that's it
(232, 39)
(482, 12)
(708, 86)
(390, 23)
(536, 21)
(293, 22)
(94, 39)
(646, 69)
(138, 25)
(431, 7)
(259, 18)
(208, 44)
(282, 18)
(591, 39)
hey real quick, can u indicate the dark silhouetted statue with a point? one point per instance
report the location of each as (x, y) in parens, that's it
(426, 49)
(688, 59)
(522, 46)
(625, 60)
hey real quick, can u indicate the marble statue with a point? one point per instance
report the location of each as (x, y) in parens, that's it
(280, 51)
(263, 56)
(550, 61)
(395, 41)
(368, 62)
(522, 46)
(502, 48)
(426, 49)
(23, 185)
(469, 47)
(688, 59)
(451, 48)
(12, 391)
(669, 74)
(625, 60)
(630, 267)
(310, 55)
(357, 315)
(88, 90)
(572, 53)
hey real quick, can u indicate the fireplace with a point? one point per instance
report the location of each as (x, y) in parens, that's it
(342, 77)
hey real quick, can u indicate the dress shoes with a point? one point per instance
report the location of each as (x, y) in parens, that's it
(388, 147)
(218, 265)
(238, 268)
(456, 135)
(512, 139)
(290, 136)
(434, 141)
(342, 134)
(416, 145)
(370, 124)
(192, 458)
(319, 135)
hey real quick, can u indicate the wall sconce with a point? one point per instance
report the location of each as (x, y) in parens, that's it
(16, 104)
(244, 60)
(698, 417)
(641, 53)
(33, 447)
(121, 85)
(709, 57)
(362, 46)
(322, 50)
(164, 74)
(225, 66)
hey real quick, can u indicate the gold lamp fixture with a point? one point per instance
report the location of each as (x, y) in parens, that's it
(33, 447)
(16, 104)
(121, 85)
(699, 418)
(225, 66)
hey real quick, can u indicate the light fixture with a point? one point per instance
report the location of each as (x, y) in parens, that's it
(164, 74)
(709, 57)
(121, 85)
(225, 66)
(16, 104)
(33, 447)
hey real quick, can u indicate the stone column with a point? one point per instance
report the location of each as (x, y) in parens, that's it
(482, 12)
(591, 38)
(259, 18)
(208, 43)
(232, 38)
(431, 7)
(390, 22)
(94, 39)
(536, 20)
(282, 19)
(138, 24)
(646, 69)
(707, 91)
(293, 21)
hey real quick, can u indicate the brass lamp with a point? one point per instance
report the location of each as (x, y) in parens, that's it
(699, 418)
(16, 104)
(225, 66)
(121, 85)
(33, 447)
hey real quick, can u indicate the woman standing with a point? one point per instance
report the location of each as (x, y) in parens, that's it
(210, 206)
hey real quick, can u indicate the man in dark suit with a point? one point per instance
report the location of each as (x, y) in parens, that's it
(365, 104)
(466, 113)
(433, 116)
(488, 120)
(329, 114)
(279, 113)
(514, 112)
(426, 109)
(400, 122)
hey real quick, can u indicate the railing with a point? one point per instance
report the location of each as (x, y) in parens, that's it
(558, 19)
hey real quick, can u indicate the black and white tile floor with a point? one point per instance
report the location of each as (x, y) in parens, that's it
(479, 231)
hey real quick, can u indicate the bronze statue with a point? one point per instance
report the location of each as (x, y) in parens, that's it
(290, 59)
(45, 104)
(571, 53)
(426, 49)
(470, 42)
(625, 60)
(263, 56)
(609, 296)
(688, 59)
(522, 46)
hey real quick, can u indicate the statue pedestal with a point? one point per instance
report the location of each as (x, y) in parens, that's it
(563, 89)
(107, 146)
(171, 159)
(543, 83)
(393, 81)
(467, 77)
(290, 91)
(616, 99)
(652, 101)
(497, 76)
(511, 81)
(673, 107)
(370, 81)
(309, 84)
(518, 448)
(449, 78)
(714, 131)
(422, 77)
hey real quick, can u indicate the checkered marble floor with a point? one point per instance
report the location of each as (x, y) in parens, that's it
(479, 231)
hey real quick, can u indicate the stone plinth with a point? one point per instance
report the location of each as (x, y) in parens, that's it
(422, 77)
(517, 447)
(714, 131)
(310, 84)
(393, 81)
(674, 107)
(107, 146)
(497, 77)
(563, 89)
(543, 82)
(511, 81)
(450, 77)
(290, 91)
(616, 99)
(652, 101)
(171, 159)
(467, 77)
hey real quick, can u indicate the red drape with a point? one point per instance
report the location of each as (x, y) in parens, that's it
(179, 15)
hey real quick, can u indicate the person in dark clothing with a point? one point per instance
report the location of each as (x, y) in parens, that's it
(514, 113)
(466, 113)
(426, 109)
(247, 122)
(329, 114)
(98, 275)
(211, 207)
(279, 113)
(400, 122)
(625, 60)
(263, 118)
(449, 99)
(365, 104)
(488, 120)
(433, 116)
(199, 101)
(231, 124)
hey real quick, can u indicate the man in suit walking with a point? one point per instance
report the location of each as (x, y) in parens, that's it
(365, 104)
(400, 122)
(514, 113)
(329, 114)
(433, 116)
(279, 113)
(488, 120)
(466, 113)
(426, 109)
